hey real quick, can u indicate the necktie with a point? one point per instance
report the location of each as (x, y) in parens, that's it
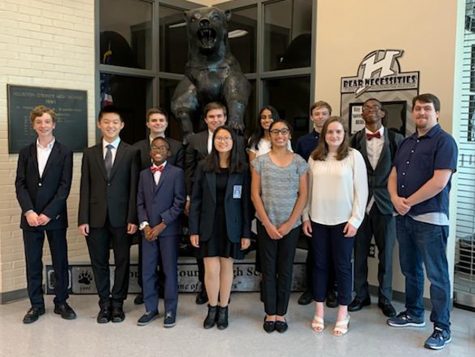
(156, 168)
(370, 136)
(108, 160)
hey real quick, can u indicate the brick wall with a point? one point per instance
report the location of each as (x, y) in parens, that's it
(45, 43)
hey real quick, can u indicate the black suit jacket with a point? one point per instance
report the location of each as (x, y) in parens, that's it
(113, 198)
(203, 205)
(378, 177)
(196, 150)
(176, 149)
(47, 194)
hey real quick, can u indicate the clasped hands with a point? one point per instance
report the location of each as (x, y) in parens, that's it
(152, 233)
(35, 220)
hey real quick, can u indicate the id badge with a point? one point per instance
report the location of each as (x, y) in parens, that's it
(237, 189)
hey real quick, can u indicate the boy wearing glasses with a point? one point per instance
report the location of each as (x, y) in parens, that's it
(160, 202)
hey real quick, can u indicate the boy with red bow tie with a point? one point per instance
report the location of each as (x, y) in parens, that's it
(160, 201)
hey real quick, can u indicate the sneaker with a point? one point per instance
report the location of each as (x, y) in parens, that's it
(146, 318)
(403, 319)
(438, 339)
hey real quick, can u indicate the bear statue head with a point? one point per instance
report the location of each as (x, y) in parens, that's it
(207, 29)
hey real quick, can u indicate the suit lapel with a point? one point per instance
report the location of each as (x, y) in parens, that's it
(100, 159)
(364, 150)
(204, 144)
(211, 180)
(34, 157)
(384, 150)
(52, 157)
(118, 157)
(163, 176)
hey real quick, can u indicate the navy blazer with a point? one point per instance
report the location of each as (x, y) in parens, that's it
(176, 150)
(114, 198)
(47, 194)
(162, 202)
(203, 205)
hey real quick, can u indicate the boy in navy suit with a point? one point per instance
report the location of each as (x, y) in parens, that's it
(43, 182)
(160, 202)
(108, 211)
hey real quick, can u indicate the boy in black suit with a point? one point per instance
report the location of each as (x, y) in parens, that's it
(108, 212)
(43, 182)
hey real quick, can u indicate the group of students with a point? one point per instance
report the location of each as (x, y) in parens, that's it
(329, 188)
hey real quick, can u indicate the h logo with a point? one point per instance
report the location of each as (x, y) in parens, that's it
(373, 63)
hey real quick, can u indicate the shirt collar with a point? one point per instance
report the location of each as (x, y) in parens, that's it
(49, 146)
(433, 131)
(115, 143)
(162, 164)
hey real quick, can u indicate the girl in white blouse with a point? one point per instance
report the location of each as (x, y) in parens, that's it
(338, 191)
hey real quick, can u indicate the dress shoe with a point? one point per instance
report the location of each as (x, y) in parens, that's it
(268, 326)
(169, 320)
(387, 309)
(146, 318)
(201, 297)
(357, 304)
(306, 298)
(65, 311)
(281, 326)
(138, 299)
(331, 299)
(104, 315)
(33, 314)
(117, 314)
(222, 320)
(210, 320)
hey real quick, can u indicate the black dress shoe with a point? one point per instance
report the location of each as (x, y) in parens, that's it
(281, 326)
(268, 326)
(306, 298)
(201, 297)
(357, 304)
(169, 320)
(65, 311)
(387, 309)
(222, 319)
(138, 299)
(210, 320)
(146, 318)
(33, 314)
(117, 314)
(331, 299)
(104, 315)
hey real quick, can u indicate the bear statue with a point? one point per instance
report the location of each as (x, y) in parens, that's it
(212, 73)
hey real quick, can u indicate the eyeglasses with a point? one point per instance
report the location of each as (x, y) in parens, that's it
(161, 148)
(369, 107)
(223, 138)
(283, 131)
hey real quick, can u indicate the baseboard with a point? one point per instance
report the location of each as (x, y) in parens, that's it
(10, 296)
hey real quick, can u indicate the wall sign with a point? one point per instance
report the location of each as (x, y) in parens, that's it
(71, 111)
(379, 76)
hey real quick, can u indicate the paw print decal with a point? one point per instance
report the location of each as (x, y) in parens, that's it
(85, 278)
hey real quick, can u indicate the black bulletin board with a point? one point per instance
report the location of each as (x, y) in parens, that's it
(71, 113)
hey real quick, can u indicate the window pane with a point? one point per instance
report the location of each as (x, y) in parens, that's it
(291, 97)
(173, 40)
(130, 95)
(126, 33)
(287, 34)
(242, 37)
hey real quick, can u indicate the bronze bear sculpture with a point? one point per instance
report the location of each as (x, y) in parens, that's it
(212, 73)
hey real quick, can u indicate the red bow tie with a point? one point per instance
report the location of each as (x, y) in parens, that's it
(370, 136)
(157, 168)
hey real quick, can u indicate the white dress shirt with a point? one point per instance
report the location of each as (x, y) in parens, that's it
(43, 153)
(374, 147)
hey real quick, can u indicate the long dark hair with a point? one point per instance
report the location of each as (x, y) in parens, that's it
(321, 152)
(259, 132)
(236, 160)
